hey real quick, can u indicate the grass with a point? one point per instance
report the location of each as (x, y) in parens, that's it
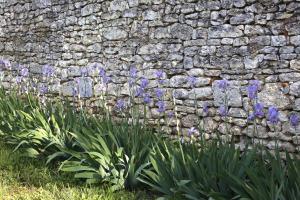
(29, 179)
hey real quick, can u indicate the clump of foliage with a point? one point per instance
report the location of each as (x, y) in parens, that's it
(220, 171)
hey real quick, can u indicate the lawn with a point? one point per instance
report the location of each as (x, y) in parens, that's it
(26, 179)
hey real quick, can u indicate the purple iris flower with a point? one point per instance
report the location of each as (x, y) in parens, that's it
(48, 71)
(106, 79)
(24, 72)
(256, 83)
(223, 84)
(120, 105)
(191, 131)
(84, 71)
(133, 72)
(192, 81)
(18, 79)
(223, 111)
(273, 114)
(147, 98)
(102, 72)
(205, 108)
(159, 76)
(252, 92)
(159, 93)
(139, 92)
(161, 106)
(294, 120)
(253, 89)
(170, 114)
(251, 116)
(5, 63)
(144, 82)
(133, 75)
(259, 110)
(43, 89)
(95, 66)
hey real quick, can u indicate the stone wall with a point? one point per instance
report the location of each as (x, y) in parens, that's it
(239, 40)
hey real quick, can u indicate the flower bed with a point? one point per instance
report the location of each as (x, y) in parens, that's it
(131, 155)
(127, 153)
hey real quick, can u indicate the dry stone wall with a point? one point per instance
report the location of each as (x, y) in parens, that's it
(238, 40)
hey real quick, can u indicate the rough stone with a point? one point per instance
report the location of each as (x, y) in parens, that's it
(226, 30)
(189, 121)
(180, 94)
(42, 3)
(279, 40)
(181, 31)
(178, 81)
(151, 49)
(295, 64)
(295, 40)
(114, 33)
(233, 94)
(258, 132)
(195, 72)
(271, 95)
(254, 30)
(188, 63)
(200, 93)
(252, 63)
(297, 103)
(84, 86)
(242, 19)
(119, 5)
(289, 77)
(237, 112)
(87, 10)
(130, 13)
(295, 89)
(160, 33)
(239, 3)
(264, 40)
(150, 15)
(286, 49)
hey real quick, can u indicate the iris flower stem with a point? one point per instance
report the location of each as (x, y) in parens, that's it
(297, 135)
(145, 115)
(196, 110)
(176, 116)
(226, 116)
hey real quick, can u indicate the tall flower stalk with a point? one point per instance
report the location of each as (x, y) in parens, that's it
(273, 118)
(146, 98)
(160, 93)
(294, 122)
(48, 75)
(192, 83)
(103, 79)
(178, 126)
(223, 109)
(257, 108)
(132, 82)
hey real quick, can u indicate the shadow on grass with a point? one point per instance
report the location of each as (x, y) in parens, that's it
(27, 178)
